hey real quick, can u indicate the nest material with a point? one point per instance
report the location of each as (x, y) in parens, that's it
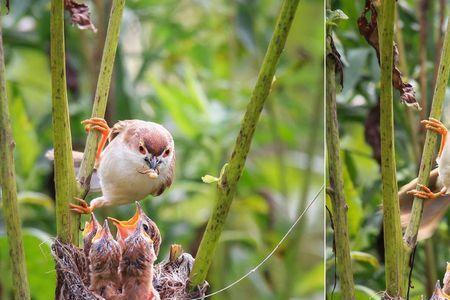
(170, 276)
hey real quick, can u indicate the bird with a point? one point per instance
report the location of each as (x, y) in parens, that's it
(105, 257)
(125, 228)
(89, 231)
(138, 161)
(436, 191)
(136, 266)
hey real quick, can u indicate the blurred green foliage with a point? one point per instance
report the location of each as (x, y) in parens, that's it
(357, 107)
(191, 66)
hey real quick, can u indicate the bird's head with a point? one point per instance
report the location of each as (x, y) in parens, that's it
(105, 251)
(89, 231)
(154, 145)
(138, 254)
(126, 228)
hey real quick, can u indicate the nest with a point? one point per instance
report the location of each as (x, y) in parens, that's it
(170, 276)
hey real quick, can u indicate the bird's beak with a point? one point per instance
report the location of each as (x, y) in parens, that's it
(103, 233)
(125, 228)
(91, 226)
(152, 163)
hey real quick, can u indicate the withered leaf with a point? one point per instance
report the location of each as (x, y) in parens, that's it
(369, 30)
(80, 14)
(333, 54)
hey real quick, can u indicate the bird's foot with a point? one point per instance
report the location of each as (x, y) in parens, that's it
(425, 192)
(437, 126)
(83, 208)
(101, 126)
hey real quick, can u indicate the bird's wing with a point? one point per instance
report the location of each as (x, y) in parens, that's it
(77, 158)
(118, 128)
(433, 210)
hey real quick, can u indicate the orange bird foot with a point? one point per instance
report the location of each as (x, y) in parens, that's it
(425, 193)
(101, 126)
(436, 126)
(83, 208)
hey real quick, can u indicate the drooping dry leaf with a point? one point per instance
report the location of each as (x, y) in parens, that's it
(333, 54)
(80, 14)
(369, 30)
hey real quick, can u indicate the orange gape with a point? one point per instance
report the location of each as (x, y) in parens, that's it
(101, 126)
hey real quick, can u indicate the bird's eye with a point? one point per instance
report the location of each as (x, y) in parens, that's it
(166, 153)
(141, 149)
(145, 226)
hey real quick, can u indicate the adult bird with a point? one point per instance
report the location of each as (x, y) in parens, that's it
(436, 193)
(138, 161)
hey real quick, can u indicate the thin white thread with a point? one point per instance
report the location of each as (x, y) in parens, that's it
(271, 252)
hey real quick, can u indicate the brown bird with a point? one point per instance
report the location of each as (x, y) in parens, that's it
(89, 231)
(138, 161)
(436, 193)
(136, 266)
(105, 257)
(125, 228)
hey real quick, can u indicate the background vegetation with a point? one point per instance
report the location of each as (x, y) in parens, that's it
(191, 66)
(358, 114)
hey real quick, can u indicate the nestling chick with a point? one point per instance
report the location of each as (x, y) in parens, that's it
(125, 228)
(138, 161)
(105, 256)
(436, 192)
(136, 267)
(89, 231)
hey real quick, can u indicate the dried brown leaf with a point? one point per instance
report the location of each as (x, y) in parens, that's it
(80, 14)
(368, 28)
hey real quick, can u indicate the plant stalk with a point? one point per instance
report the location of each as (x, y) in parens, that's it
(339, 206)
(65, 184)
(9, 191)
(391, 210)
(410, 236)
(101, 93)
(226, 186)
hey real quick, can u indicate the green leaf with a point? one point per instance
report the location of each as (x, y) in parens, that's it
(335, 16)
(209, 179)
(365, 257)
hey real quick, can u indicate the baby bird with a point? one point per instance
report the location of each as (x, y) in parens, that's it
(136, 267)
(436, 191)
(89, 231)
(125, 228)
(105, 256)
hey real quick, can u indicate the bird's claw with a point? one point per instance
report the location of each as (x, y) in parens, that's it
(437, 126)
(101, 126)
(424, 193)
(83, 208)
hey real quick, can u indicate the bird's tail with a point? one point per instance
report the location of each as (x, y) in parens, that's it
(77, 158)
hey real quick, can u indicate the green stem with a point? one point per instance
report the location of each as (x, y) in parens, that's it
(65, 184)
(9, 190)
(226, 187)
(341, 238)
(101, 93)
(391, 209)
(410, 236)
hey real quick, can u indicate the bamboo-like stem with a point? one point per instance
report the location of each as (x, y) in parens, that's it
(9, 190)
(101, 93)
(391, 210)
(336, 184)
(410, 236)
(226, 187)
(65, 184)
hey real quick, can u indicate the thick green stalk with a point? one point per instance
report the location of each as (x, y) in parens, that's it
(9, 191)
(101, 93)
(65, 184)
(226, 187)
(410, 236)
(391, 210)
(341, 239)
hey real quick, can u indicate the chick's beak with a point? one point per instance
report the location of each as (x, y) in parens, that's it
(152, 163)
(103, 234)
(125, 228)
(91, 226)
